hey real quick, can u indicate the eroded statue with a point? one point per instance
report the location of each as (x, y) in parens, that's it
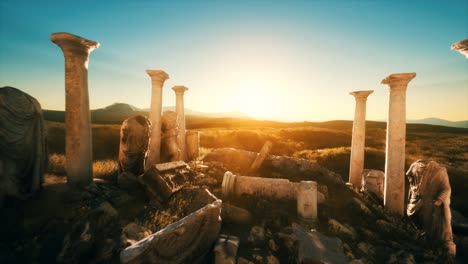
(23, 148)
(170, 150)
(429, 201)
(134, 139)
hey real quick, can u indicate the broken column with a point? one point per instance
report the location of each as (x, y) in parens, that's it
(78, 139)
(462, 47)
(234, 185)
(158, 78)
(394, 197)
(307, 201)
(179, 91)
(193, 144)
(356, 164)
(260, 157)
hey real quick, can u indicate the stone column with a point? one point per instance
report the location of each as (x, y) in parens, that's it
(158, 78)
(356, 164)
(181, 140)
(78, 137)
(307, 201)
(394, 198)
(462, 47)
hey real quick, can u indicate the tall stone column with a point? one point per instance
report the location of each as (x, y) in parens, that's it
(181, 140)
(158, 78)
(462, 47)
(78, 137)
(394, 198)
(356, 164)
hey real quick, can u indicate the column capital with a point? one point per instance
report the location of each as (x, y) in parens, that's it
(73, 45)
(462, 47)
(361, 94)
(158, 76)
(179, 89)
(398, 80)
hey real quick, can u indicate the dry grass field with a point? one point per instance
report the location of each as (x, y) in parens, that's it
(327, 142)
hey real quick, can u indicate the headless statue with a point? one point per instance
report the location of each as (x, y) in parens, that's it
(429, 201)
(23, 148)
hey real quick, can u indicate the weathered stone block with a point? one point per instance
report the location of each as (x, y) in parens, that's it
(162, 180)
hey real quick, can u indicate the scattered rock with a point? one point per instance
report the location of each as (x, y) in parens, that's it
(133, 233)
(207, 181)
(459, 223)
(384, 226)
(226, 249)
(78, 245)
(401, 257)
(235, 215)
(106, 252)
(270, 259)
(340, 230)
(257, 236)
(242, 260)
(272, 245)
(313, 247)
(360, 208)
(366, 250)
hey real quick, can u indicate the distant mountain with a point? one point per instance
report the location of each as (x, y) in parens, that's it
(118, 112)
(439, 122)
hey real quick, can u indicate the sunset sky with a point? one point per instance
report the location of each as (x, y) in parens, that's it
(283, 60)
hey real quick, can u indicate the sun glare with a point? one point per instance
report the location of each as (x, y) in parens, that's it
(253, 101)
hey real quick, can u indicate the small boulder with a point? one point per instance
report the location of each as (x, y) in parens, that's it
(257, 236)
(340, 230)
(225, 249)
(235, 215)
(313, 247)
(133, 233)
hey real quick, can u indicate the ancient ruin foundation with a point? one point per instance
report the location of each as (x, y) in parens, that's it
(394, 198)
(356, 164)
(158, 78)
(78, 139)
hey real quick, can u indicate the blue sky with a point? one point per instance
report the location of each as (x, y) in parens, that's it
(285, 60)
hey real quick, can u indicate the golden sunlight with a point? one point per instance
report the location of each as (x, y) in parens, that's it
(252, 99)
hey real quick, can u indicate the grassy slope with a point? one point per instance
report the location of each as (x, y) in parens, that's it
(326, 142)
